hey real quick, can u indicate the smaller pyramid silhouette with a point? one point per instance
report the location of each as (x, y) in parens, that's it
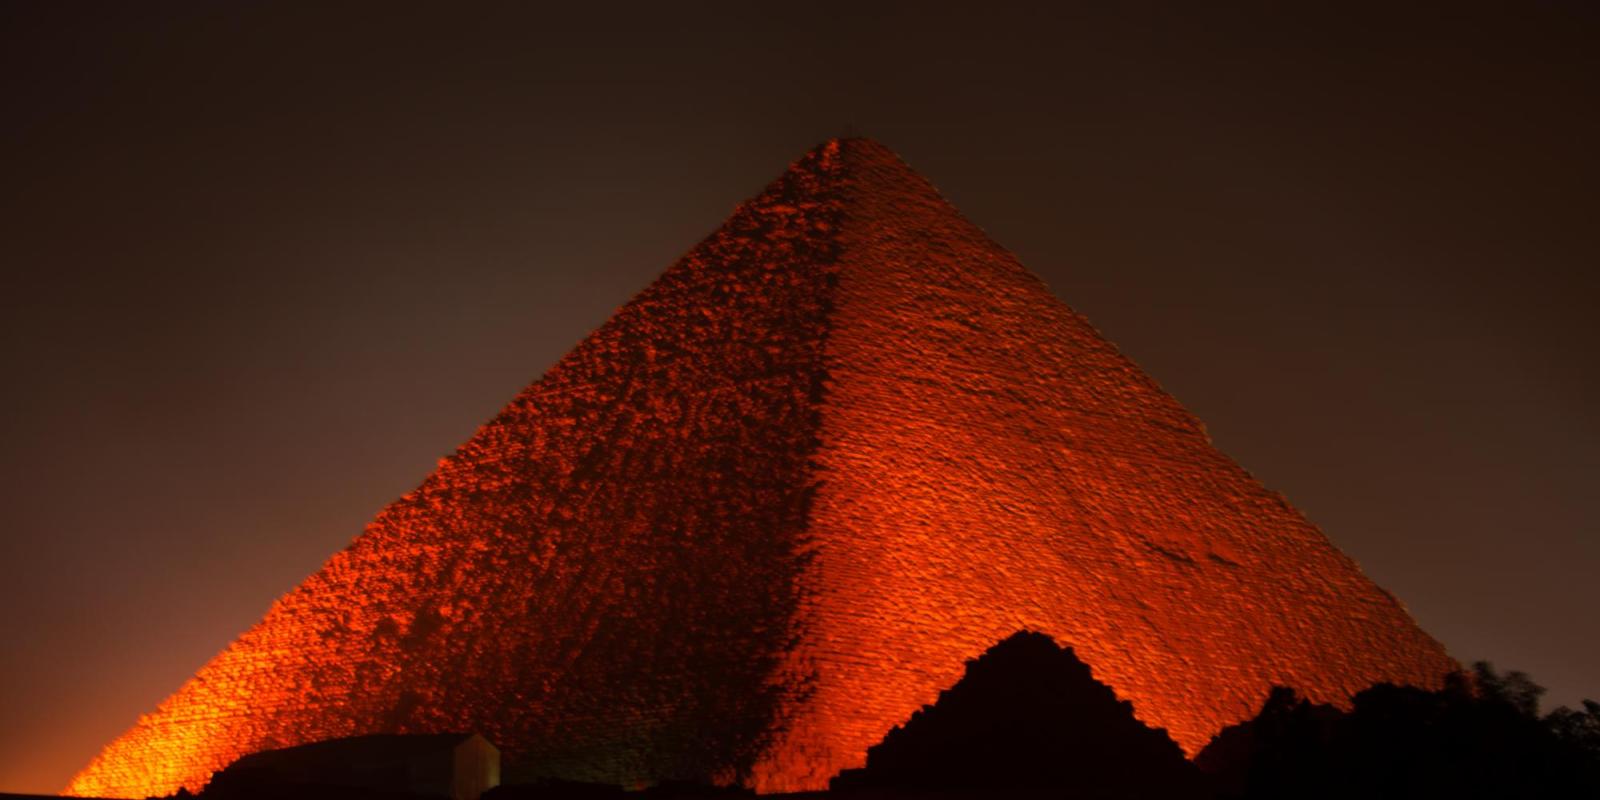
(772, 506)
(1027, 717)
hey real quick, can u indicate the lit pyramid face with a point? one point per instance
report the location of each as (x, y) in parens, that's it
(772, 506)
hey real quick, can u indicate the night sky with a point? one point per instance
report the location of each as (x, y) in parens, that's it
(263, 266)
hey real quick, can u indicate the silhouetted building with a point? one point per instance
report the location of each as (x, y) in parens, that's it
(457, 766)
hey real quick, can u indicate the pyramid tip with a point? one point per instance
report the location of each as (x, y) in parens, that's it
(853, 148)
(854, 142)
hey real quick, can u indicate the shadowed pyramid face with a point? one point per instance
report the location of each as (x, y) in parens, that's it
(772, 506)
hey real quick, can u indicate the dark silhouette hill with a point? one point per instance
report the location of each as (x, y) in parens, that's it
(1027, 718)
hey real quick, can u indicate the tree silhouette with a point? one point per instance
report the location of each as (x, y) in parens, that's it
(1579, 729)
(1514, 689)
(1479, 736)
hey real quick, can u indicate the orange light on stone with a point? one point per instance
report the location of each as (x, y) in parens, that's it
(773, 506)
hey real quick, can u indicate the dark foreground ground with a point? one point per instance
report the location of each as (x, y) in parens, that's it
(1028, 720)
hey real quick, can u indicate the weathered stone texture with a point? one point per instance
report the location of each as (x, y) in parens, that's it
(771, 508)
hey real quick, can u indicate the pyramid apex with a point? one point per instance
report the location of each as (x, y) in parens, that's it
(861, 145)
(856, 146)
(844, 169)
(858, 141)
(864, 162)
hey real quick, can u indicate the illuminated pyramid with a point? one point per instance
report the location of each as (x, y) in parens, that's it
(772, 506)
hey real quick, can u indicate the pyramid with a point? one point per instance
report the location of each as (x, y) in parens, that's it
(772, 506)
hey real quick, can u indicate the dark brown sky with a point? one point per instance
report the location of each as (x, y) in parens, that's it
(264, 265)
